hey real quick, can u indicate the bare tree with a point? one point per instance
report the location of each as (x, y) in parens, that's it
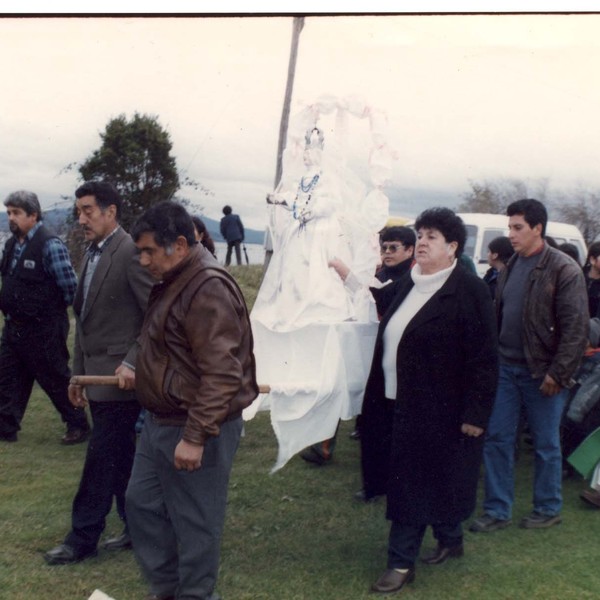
(581, 208)
(493, 196)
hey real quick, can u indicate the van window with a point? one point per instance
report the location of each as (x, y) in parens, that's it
(471, 240)
(488, 236)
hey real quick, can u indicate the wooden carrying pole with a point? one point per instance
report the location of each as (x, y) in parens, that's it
(84, 380)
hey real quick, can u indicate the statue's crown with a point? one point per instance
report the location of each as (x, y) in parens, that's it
(314, 138)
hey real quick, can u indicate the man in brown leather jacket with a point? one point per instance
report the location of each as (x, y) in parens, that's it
(195, 373)
(541, 305)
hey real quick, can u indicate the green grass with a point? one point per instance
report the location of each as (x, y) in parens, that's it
(294, 535)
(248, 278)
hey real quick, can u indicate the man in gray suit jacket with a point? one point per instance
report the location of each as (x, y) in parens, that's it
(109, 305)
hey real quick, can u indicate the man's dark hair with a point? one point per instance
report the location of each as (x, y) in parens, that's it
(502, 247)
(167, 221)
(405, 235)
(533, 211)
(104, 192)
(27, 201)
(570, 250)
(447, 222)
(594, 250)
(227, 209)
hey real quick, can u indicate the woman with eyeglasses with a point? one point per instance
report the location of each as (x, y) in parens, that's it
(397, 245)
(397, 249)
(435, 364)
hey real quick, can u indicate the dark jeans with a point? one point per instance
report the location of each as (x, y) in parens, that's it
(238, 252)
(405, 541)
(516, 388)
(35, 351)
(106, 471)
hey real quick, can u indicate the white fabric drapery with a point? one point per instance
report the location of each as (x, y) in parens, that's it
(314, 337)
(317, 376)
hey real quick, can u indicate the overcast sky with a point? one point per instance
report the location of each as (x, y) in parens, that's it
(467, 97)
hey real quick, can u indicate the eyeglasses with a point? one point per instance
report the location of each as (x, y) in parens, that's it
(390, 248)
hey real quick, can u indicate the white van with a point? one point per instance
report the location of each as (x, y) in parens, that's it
(482, 228)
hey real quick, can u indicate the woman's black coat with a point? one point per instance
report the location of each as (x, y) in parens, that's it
(447, 369)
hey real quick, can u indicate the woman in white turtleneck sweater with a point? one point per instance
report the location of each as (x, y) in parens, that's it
(435, 362)
(425, 285)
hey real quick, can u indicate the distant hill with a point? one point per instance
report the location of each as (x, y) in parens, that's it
(56, 218)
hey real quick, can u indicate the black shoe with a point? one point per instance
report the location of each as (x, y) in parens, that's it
(592, 497)
(487, 523)
(121, 542)
(67, 555)
(393, 581)
(75, 435)
(441, 554)
(8, 437)
(312, 456)
(537, 520)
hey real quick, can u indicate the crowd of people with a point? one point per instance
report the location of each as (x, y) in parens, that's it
(156, 311)
(457, 372)
(459, 363)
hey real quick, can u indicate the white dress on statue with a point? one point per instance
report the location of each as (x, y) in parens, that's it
(312, 346)
(299, 287)
(313, 337)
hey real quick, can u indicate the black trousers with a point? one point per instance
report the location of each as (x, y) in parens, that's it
(238, 252)
(376, 425)
(405, 541)
(106, 471)
(35, 351)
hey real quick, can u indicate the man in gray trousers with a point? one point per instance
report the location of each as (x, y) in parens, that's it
(195, 373)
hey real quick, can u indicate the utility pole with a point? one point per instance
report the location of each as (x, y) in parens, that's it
(283, 125)
(289, 88)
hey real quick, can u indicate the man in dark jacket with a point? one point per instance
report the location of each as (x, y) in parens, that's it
(38, 283)
(592, 279)
(541, 306)
(232, 230)
(109, 308)
(195, 373)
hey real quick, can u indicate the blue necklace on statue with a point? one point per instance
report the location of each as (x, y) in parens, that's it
(311, 183)
(304, 188)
